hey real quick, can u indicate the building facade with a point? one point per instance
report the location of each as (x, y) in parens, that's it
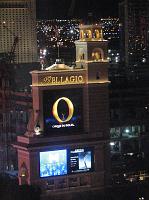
(18, 29)
(66, 142)
(129, 131)
(134, 19)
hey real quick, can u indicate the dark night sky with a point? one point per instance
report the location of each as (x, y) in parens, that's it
(51, 9)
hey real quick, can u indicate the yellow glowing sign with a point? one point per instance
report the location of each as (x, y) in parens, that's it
(70, 107)
(60, 80)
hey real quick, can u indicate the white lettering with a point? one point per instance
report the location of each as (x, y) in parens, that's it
(63, 125)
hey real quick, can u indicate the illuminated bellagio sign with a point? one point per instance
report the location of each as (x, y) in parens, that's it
(62, 80)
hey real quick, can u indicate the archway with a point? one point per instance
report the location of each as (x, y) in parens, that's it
(97, 54)
(88, 34)
(97, 34)
(81, 54)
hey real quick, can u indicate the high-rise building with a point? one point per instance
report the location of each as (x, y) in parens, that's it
(134, 18)
(18, 29)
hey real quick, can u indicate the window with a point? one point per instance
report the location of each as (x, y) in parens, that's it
(115, 132)
(130, 131)
(98, 75)
(81, 54)
(88, 34)
(115, 146)
(97, 54)
(130, 146)
(97, 34)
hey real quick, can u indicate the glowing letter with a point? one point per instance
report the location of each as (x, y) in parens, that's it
(70, 107)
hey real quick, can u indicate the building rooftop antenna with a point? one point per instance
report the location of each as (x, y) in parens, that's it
(58, 60)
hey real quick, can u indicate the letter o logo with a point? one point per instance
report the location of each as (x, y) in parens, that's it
(70, 107)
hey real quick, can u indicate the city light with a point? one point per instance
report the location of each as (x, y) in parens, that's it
(49, 32)
(127, 130)
(112, 143)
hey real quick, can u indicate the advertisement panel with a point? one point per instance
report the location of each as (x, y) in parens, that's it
(66, 161)
(81, 160)
(53, 163)
(62, 111)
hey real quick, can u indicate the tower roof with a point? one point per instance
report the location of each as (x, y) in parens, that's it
(58, 66)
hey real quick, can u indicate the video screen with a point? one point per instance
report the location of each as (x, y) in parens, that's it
(62, 111)
(53, 163)
(81, 160)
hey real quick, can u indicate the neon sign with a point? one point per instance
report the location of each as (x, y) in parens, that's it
(62, 80)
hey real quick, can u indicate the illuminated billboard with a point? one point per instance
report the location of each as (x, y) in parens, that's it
(66, 161)
(81, 160)
(62, 111)
(53, 163)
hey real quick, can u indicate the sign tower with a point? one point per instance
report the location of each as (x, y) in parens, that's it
(66, 142)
